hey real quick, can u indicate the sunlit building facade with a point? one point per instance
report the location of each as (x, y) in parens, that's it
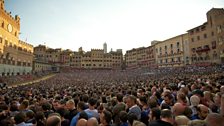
(143, 57)
(170, 52)
(98, 59)
(16, 56)
(207, 40)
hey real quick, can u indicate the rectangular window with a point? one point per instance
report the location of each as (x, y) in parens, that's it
(6, 42)
(192, 39)
(178, 44)
(0, 39)
(219, 29)
(19, 63)
(197, 30)
(214, 45)
(212, 33)
(198, 37)
(205, 35)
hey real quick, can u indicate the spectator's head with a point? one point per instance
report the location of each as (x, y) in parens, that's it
(217, 99)
(131, 100)
(165, 106)
(181, 98)
(188, 112)
(197, 122)
(195, 100)
(222, 89)
(138, 123)
(92, 102)
(168, 98)
(202, 111)
(62, 112)
(20, 117)
(14, 107)
(123, 116)
(83, 115)
(214, 119)
(199, 93)
(119, 97)
(181, 120)
(40, 117)
(81, 122)
(46, 106)
(152, 103)
(53, 119)
(143, 100)
(131, 118)
(85, 98)
(24, 105)
(105, 117)
(166, 115)
(207, 95)
(178, 109)
(81, 106)
(29, 115)
(92, 122)
(70, 104)
(154, 114)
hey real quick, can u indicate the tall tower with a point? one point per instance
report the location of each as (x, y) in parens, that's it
(105, 47)
(2, 4)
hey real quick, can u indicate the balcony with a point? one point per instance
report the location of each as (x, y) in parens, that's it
(205, 49)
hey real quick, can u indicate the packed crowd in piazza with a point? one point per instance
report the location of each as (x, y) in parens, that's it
(169, 96)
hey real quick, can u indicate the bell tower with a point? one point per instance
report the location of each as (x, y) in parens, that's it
(2, 6)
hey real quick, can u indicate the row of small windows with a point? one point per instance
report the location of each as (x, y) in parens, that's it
(13, 46)
(202, 28)
(178, 59)
(95, 65)
(203, 58)
(199, 38)
(13, 62)
(43, 67)
(166, 47)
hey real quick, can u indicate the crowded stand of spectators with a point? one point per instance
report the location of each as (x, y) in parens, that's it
(17, 79)
(190, 96)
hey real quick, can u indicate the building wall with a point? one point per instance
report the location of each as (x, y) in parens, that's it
(76, 60)
(170, 53)
(13, 52)
(41, 67)
(205, 46)
(142, 57)
(40, 53)
(131, 59)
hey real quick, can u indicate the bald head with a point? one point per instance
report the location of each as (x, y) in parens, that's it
(214, 119)
(53, 120)
(81, 122)
(92, 122)
(178, 109)
(181, 120)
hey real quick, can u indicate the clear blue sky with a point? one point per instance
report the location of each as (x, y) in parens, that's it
(123, 24)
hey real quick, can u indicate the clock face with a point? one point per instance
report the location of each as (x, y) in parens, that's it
(9, 27)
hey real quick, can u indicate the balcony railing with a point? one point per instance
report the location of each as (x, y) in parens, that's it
(203, 50)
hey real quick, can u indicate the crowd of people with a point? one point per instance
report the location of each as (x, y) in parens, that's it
(190, 96)
(18, 79)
